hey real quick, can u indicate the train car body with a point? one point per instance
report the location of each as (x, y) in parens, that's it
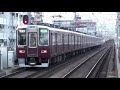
(40, 46)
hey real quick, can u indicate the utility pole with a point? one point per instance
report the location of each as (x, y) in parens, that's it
(11, 33)
(75, 20)
(40, 13)
(19, 18)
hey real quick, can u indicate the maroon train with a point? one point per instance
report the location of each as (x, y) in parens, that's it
(41, 46)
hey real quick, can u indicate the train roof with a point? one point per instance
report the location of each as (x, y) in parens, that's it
(56, 29)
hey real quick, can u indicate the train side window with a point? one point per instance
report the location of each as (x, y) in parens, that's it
(56, 42)
(81, 42)
(56, 38)
(68, 42)
(65, 39)
(22, 37)
(60, 39)
(74, 41)
(53, 39)
(77, 39)
(43, 36)
(71, 39)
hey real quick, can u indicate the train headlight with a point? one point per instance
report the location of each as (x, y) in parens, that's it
(21, 51)
(43, 51)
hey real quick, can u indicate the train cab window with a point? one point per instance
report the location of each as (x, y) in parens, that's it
(32, 40)
(43, 36)
(22, 37)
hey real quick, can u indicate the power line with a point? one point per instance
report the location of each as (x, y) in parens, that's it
(99, 22)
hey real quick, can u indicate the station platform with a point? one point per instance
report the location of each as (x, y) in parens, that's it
(113, 66)
(118, 63)
(9, 70)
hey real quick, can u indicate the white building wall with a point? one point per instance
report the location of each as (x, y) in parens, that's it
(10, 23)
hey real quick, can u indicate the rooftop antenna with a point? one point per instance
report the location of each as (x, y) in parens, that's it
(75, 20)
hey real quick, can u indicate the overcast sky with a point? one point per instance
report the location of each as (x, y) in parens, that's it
(105, 20)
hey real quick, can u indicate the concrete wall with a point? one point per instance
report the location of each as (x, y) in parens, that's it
(4, 57)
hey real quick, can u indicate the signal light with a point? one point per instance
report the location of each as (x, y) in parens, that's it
(25, 19)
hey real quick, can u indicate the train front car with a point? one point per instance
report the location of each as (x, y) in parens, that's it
(32, 47)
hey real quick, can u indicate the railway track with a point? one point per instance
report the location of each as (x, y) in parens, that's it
(69, 74)
(23, 73)
(47, 72)
(62, 67)
(98, 66)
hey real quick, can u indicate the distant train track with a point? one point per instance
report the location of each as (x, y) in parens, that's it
(47, 74)
(102, 60)
(83, 62)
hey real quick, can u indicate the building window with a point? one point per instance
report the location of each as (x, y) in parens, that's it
(21, 16)
(13, 27)
(22, 37)
(1, 12)
(16, 14)
(1, 26)
(12, 14)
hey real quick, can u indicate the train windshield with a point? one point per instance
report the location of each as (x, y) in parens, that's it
(43, 36)
(22, 37)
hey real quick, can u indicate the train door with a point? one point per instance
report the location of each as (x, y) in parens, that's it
(32, 44)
